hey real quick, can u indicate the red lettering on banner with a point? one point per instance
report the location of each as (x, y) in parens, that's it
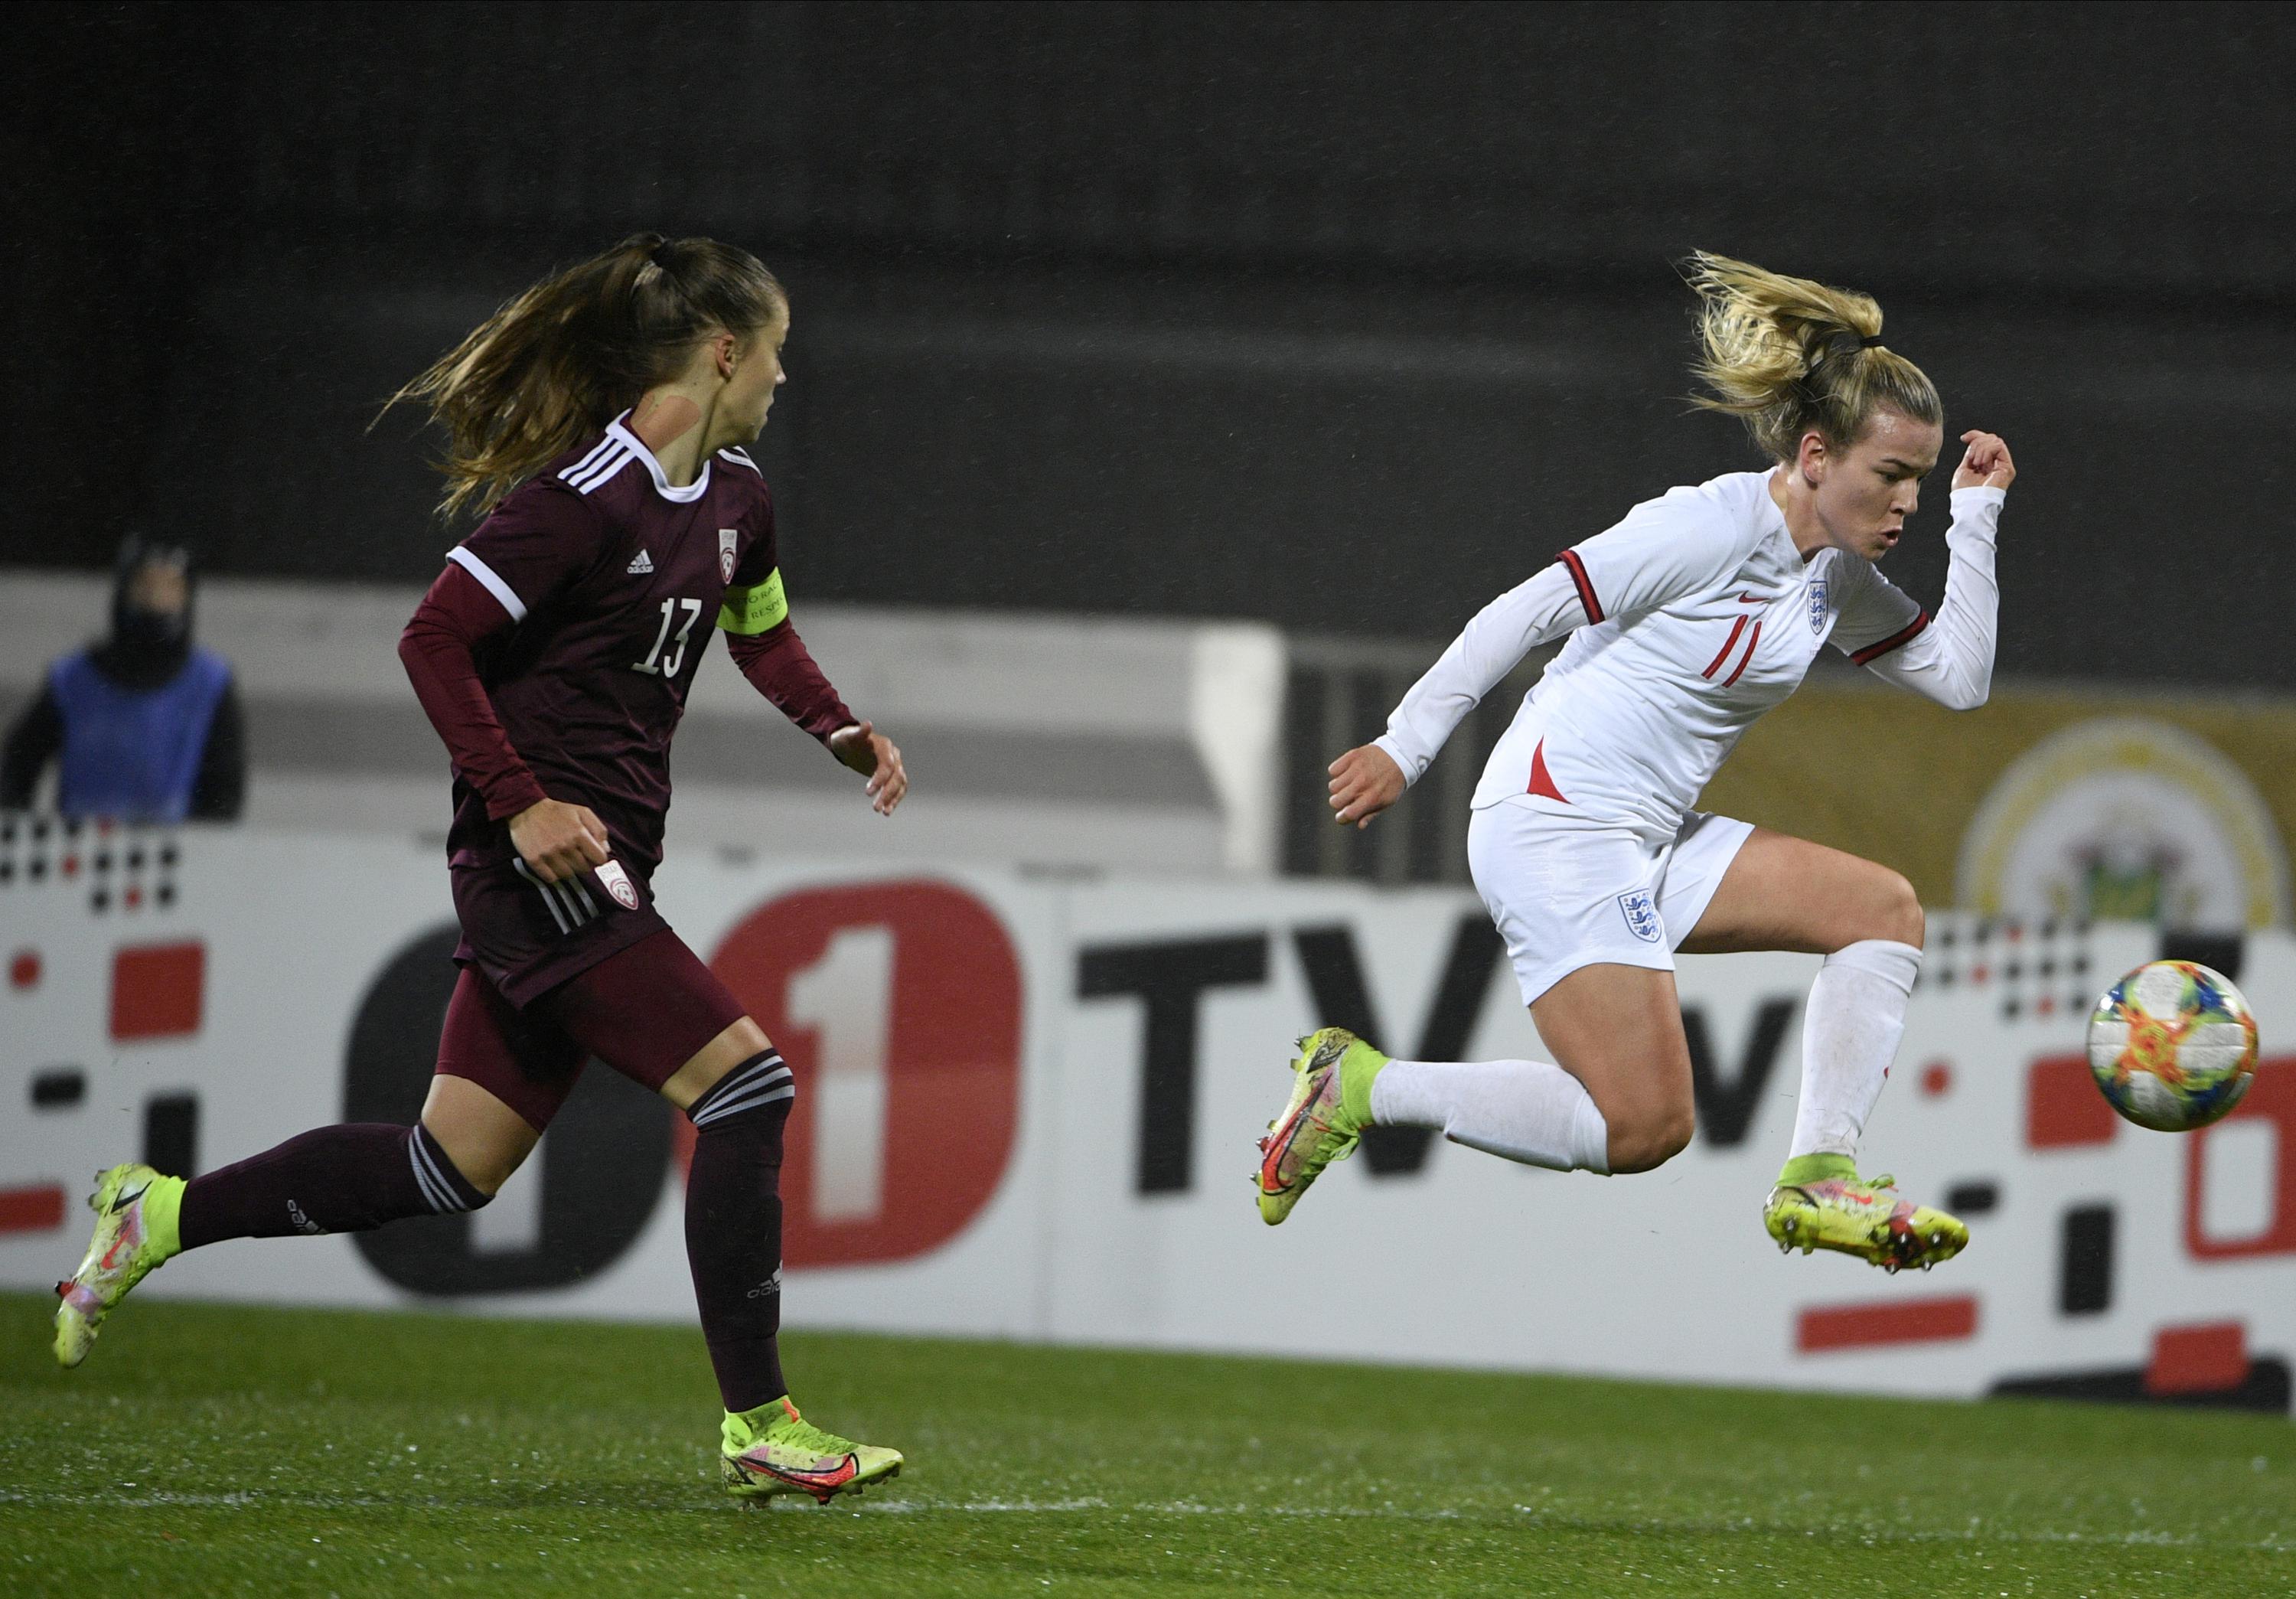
(898, 1005)
(2063, 1105)
(2272, 1097)
(156, 990)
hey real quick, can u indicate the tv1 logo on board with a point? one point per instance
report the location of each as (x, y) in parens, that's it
(897, 1005)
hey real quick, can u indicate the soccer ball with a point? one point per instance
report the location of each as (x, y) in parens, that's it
(2172, 1045)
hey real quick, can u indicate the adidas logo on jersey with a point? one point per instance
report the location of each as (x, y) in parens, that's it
(643, 563)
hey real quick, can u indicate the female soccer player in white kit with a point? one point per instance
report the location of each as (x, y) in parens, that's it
(1698, 612)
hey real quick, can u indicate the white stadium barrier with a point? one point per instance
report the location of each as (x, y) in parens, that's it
(1064, 742)
(1028, 1109)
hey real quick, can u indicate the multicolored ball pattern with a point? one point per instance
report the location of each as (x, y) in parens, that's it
(2173, 1046)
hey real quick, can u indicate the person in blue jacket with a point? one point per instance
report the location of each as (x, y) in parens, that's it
(145, 723)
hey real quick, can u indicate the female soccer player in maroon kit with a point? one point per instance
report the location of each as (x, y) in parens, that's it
(599, 420)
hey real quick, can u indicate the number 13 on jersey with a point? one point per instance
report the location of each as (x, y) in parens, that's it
(653, 664)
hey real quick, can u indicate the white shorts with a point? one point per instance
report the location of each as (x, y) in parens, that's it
(1567, 892)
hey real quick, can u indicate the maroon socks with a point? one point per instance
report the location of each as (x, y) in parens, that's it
(338, 1180)
(348, 1179)
(734, 1225)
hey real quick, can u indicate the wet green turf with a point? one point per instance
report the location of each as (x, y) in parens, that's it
(206, 1449)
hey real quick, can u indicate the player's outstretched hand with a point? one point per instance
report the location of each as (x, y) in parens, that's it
(558, 839)
(1365, 782)
(1986, 464)
(875, 757)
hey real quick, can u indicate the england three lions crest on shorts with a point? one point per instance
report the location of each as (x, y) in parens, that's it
(1642, 916)
(727, 538)
(1818, 606)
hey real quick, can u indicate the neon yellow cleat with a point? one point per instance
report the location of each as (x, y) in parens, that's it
(1822, 1203)
(774, 1451)
(134, 1234)
(1330, 1107)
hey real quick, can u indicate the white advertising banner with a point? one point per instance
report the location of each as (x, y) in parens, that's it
(1028, 1108)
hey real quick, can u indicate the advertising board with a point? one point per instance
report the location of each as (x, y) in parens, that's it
(1028, 1109)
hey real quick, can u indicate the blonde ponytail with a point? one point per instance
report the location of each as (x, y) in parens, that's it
(578, 348)
(1787, 354)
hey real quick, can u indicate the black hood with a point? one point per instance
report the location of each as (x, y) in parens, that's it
(146, 648)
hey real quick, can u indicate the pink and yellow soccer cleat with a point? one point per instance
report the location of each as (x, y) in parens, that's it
(1329, 1109)
(774, 1451)
(1822, 1203)
(136, 1212)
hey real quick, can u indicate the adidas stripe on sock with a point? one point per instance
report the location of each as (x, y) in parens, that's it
(333, 1179)
(445, 1187)
(759, 1080)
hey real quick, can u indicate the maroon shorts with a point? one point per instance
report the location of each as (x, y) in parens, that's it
(645, 1009)
(529, 936)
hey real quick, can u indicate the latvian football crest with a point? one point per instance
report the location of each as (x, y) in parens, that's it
(727, 538)
(1642, 916)
(618, 883)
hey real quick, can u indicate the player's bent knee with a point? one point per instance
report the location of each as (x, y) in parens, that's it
(762, 1087)
(481, 1137)
(441, 1178)
(1649, 1141)
(485, 1171)
(1900, 917)
(486, 1195)
(740, 1043)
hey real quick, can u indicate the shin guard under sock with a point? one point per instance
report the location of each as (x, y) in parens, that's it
(338, 1180)
(734, 1227)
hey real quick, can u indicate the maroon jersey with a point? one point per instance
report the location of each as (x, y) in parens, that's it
(606, 582)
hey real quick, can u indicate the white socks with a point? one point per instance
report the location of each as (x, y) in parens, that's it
(1849, 1035)
(1526, 1111)
(1540, 1114)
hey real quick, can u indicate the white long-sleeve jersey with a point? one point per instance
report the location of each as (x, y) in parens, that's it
(1693, 616)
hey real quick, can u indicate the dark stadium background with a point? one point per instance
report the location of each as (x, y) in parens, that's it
(1342, 317)
(1169, 382)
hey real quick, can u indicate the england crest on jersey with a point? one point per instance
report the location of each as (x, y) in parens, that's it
(1642, 916)
(1818, 606)
(727, 538)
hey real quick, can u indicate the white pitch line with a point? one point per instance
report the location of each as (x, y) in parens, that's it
(1188, 1507)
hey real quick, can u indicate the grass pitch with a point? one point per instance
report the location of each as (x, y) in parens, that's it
(206, 1449)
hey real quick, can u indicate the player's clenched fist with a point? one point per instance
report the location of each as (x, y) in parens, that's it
(1365, 782)
(558, 839)
(1986, 463)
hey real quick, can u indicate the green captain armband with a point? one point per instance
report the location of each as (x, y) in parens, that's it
(753, 611)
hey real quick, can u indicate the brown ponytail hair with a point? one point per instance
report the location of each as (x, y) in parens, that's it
(1787, 354)
(578, 348)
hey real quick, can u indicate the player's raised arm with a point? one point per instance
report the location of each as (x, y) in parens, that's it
(764, 643)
